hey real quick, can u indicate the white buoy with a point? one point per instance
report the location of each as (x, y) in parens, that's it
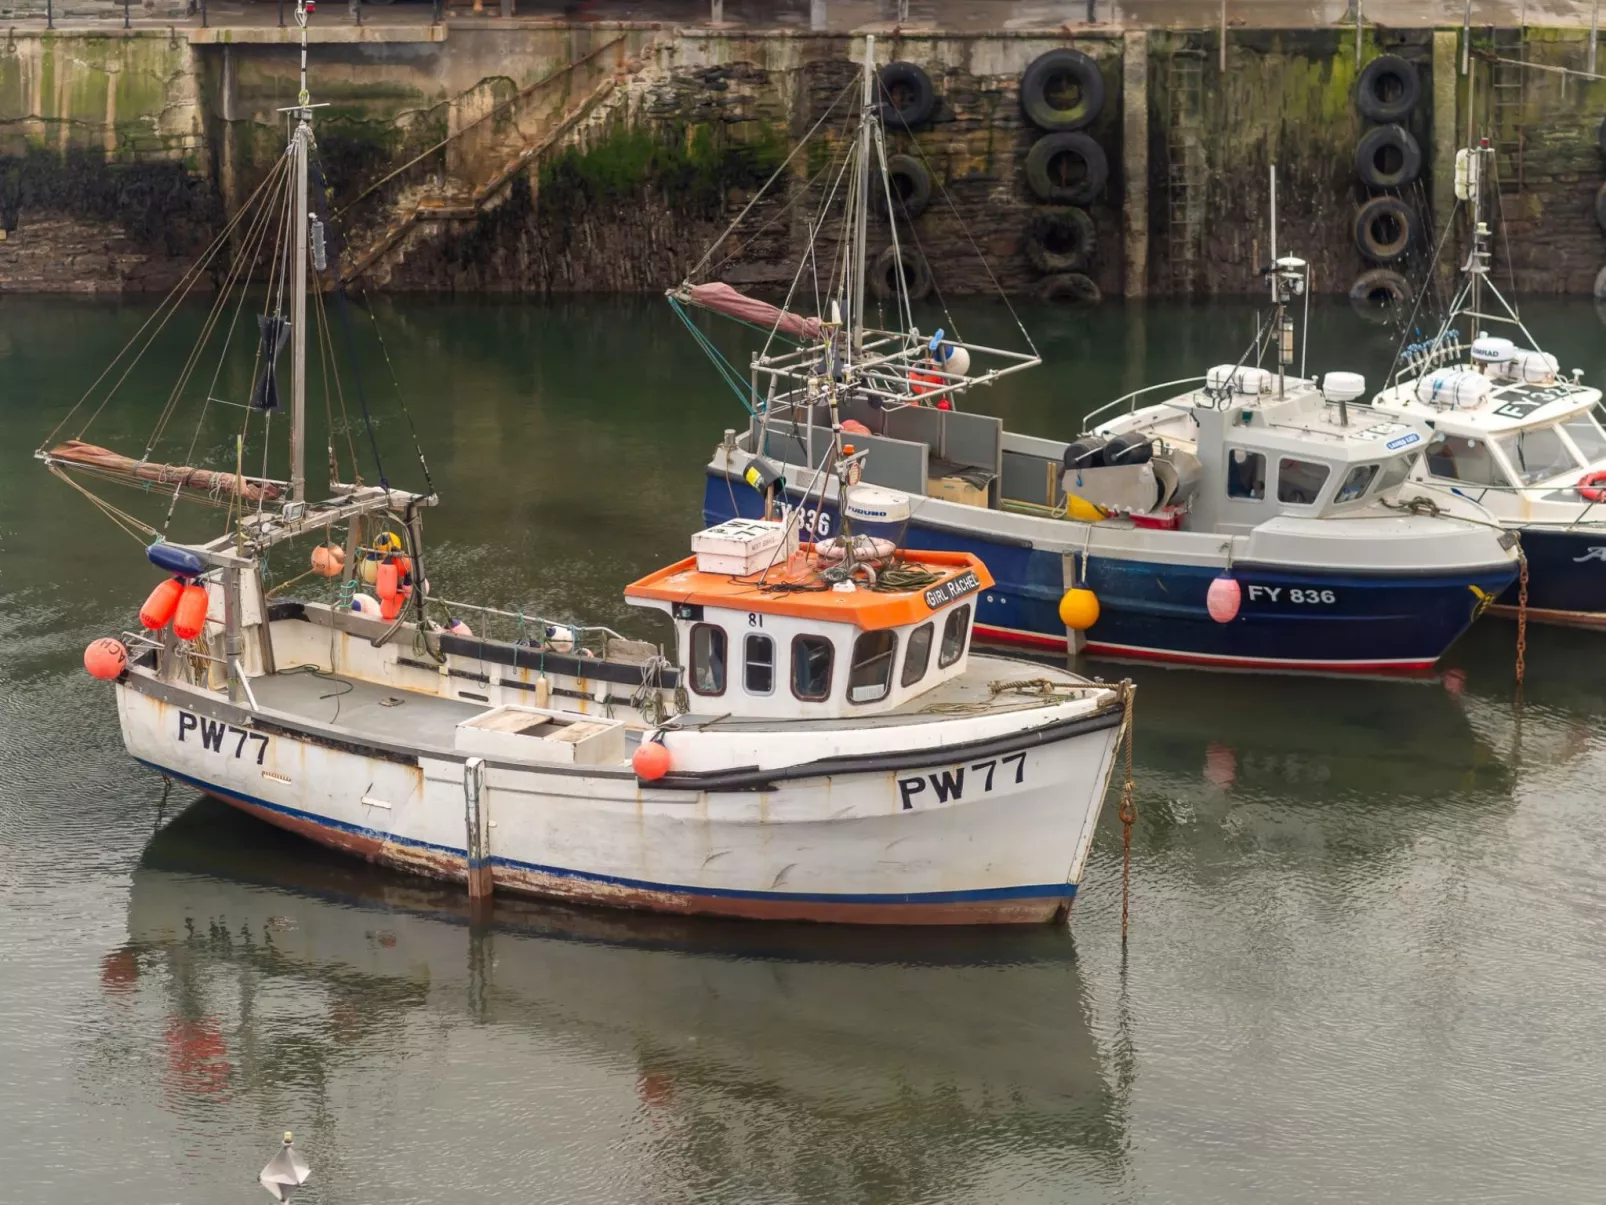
(559, 638)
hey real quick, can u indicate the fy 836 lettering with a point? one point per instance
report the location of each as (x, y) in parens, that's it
(1307, 597)
(948, 785)
(214, 734)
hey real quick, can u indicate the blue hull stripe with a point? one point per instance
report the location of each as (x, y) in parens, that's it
(1044, 891)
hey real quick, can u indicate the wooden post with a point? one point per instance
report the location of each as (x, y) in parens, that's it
(233, 638)
(1444, 142)
(1135, 160)
(476, 822)
(1075, 642)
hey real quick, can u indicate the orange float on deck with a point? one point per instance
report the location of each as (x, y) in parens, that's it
(391, 607)
(328, 560)
(651, 761)
(105, 659)
(190, 618)
(385, 581)
(158, 610)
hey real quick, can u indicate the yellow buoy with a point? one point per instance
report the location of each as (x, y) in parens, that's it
(1083, 510)
(1079, 609)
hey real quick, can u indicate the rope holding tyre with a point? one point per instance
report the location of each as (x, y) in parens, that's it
(1070, 287)
(1385, 229)
(894, 260)
(1060, 240)
(1066, 168)
(1388, 157)
(1380, 295)
(1062, 90)
(1389, 89)
(910, 184)
(907, 97)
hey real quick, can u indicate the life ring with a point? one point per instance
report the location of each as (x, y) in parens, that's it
(1389, 88)
(1060, 240)
(910, 185)
(1066, 169)
(896, 261)
(1050, 74)
(1385, 229)
(1388, 157)
(908, 98)
(1380, 296)
(1592, 486)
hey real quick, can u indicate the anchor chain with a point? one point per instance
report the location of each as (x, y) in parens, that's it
(1522, 618)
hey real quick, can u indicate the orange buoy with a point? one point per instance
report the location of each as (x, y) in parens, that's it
(855, 426)
(651, 761)
(158, 610)
(391, 607)
(404, 565)
(385, 580)
(105, 658)
(328, 560)
(190, 617)
(1223, 599)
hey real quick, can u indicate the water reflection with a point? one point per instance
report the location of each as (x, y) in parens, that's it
(719, 1059)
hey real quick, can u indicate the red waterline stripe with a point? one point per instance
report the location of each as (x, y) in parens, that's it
(1036, 640)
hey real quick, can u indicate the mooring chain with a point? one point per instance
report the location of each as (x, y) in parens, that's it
(1522, 618)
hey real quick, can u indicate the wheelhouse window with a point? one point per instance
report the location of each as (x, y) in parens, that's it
(1356, 483)
(1538, 454)
(1462, 459)
(1395, 472)
(1300, 482)
(870, 674)
(1586, 434)
(918, 655)
(955, 633)
(1246, 474)
(811, 667)
(758, 660)
(708, 659)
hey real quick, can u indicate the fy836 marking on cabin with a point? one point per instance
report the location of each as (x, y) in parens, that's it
(215, 735)
(950, 785)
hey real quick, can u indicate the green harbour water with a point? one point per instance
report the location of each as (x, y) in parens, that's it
(1368, 917)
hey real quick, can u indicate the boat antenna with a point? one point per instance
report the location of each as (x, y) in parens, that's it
(1284, 333)
(861, 216)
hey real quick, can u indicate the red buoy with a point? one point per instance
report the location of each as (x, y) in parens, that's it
(158, 610)
(651, 761)
(385, 580)
(190, 617)
(1223, 599)
(391, 607)
(105, 658)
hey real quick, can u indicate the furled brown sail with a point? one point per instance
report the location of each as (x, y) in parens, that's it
(207, 481)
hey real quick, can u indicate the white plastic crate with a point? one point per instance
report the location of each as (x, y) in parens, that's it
(739, 546)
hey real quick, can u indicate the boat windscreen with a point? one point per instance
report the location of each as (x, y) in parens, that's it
(1585, 432)
(1538, 454)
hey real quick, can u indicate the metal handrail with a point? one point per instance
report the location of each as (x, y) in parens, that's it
(1135, 394)
(532, 621)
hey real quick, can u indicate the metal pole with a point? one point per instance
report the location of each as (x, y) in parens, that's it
(861, 230)
(477, 854)
(203, 14)
(281, 14)
(1223, 37)
(1594, 33)
(1360, 24)
(298, 284)
(50, 15)
(125, 14)
(1466, 38)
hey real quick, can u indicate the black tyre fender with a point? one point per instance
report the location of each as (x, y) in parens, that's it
(907, 97)
(916, 273)
(1060, 240)
(1043, 87)
(1385, 229)
(1389, 88)
(1388, 157)
(1070, 287)
(1600, 285)
(910, 184)
(1380, 295)
(1051, 168)
(1600, 206)
(1601, 135)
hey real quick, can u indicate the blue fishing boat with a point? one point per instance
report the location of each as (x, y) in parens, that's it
(1252, 519)
(1511, 432)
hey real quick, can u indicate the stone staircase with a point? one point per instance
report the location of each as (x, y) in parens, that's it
(484, 154)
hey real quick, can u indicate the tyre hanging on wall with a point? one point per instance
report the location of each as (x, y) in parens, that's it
(1066, 168)
(1385, 229)
(907, 97)
(1388, 157)
(893, 261)
(1071, 287)
(1600, 206)
(1380, 296)
(1389, 89)
(1062, 90)
(1060, 240)
(910, 185)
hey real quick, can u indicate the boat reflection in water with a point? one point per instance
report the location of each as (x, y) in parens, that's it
(659, 1054)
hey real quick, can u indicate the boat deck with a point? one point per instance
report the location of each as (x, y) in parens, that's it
(382, 713)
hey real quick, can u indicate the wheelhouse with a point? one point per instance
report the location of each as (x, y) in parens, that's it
(782, 642)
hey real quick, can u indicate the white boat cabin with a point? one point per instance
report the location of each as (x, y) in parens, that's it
(773, 637)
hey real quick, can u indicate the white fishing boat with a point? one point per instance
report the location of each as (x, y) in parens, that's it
(1253, 520)
(1510, 430)
(823, 746)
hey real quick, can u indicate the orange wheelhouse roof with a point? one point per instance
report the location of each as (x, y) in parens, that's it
(806, 595)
